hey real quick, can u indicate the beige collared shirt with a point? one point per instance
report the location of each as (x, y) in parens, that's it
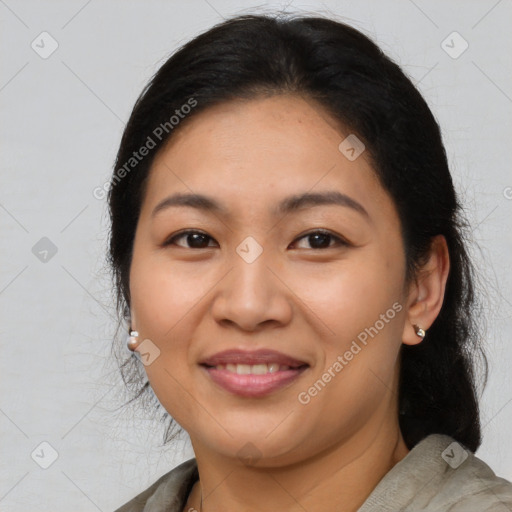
(437, 475)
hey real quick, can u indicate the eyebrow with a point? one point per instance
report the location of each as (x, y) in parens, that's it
(288, 205)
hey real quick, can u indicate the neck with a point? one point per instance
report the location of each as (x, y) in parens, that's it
(340, 478)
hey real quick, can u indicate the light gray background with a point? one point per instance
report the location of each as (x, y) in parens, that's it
(62, 121)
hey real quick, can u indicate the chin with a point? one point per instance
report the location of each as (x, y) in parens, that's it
(263, 445)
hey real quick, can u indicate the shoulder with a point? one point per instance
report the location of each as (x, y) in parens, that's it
(168, 494)
(469, 484)
(440, 475)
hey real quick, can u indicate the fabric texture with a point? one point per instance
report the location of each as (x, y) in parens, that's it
(437, 475)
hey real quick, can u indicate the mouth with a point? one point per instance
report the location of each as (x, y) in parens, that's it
(253, 374)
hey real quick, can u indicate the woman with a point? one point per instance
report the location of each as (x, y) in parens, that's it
(289, 257)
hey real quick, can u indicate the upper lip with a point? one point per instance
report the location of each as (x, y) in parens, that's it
(261, 356)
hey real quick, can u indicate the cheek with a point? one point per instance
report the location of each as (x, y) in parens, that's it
(162, 295)
(163, 301)
(351, 296)
(169, 301)
(362, 305)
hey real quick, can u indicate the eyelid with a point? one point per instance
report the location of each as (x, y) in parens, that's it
(341, 241)
(179, 234)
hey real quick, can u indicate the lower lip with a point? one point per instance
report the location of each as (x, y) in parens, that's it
(253, 385)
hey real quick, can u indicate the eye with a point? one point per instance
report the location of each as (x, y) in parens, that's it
(321, 239)
(195, 239)
(318, 239)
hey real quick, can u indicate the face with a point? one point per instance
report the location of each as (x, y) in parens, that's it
(278, 320)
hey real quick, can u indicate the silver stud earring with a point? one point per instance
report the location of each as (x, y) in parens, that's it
(132, 342)
(419, 331)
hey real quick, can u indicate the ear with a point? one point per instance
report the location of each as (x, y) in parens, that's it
(426, 291)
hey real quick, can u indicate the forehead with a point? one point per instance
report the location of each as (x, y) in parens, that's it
(285, 126)
(261, 150)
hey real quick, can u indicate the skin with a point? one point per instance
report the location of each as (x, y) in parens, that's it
(305, 301)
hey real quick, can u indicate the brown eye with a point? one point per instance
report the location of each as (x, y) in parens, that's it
(194, 239)
(321, 239)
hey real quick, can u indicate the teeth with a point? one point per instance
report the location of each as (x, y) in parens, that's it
(255, 369)
(274, 367)
(243, 369)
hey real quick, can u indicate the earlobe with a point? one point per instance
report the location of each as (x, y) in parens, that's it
(427, 292)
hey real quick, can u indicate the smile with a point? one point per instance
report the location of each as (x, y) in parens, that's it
(255, 369)
(252, 374)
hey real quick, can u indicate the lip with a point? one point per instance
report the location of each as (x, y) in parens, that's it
(261, 356)
(252, 385)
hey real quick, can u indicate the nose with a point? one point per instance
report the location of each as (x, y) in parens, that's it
(252, 296)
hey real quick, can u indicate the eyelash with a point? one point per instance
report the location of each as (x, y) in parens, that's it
(340, 241)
